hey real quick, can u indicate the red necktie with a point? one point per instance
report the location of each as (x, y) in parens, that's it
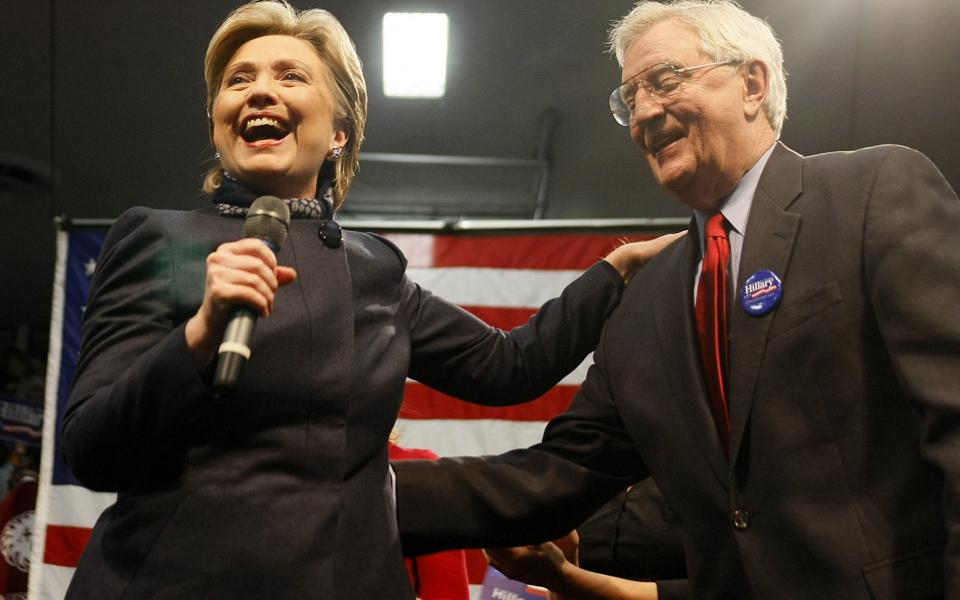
(712, 321)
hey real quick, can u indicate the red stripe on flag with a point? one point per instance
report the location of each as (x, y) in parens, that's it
(421, 402)
(504, 318)
(65, 545)
(543, 251)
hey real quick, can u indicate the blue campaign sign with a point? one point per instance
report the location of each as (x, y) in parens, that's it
(496, 586)
(20, 420)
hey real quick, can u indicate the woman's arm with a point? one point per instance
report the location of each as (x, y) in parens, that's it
(627, 258)
(459, 354)
(140, 386)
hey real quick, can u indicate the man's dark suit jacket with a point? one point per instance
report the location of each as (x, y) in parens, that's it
(634, 536)
(282, 489)
(845, 402)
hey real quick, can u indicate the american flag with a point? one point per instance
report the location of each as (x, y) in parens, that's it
(500, 277)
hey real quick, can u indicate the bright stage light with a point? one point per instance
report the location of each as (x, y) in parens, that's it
(414, 54)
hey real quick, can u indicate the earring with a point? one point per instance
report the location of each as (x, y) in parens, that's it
(216, 155)
(335, 153)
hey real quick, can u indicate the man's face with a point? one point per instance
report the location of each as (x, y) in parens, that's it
(693, 140)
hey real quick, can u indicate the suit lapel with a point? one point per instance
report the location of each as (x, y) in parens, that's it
(679, 346)
(768, 244)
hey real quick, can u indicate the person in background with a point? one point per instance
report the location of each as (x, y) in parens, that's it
(278, 487)
(14, 369)
(7, 468)
(16, 539)
(791, 386)
(619, 552)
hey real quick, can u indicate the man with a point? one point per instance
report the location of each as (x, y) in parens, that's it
(813, 450)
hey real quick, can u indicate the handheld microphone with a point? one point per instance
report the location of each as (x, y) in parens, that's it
(267, 220)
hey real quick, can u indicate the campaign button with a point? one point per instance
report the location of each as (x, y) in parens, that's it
(761, 292)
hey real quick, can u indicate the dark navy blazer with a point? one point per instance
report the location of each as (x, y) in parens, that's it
(281, 490)
(844, 477)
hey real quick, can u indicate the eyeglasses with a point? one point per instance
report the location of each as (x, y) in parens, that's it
(661, 81)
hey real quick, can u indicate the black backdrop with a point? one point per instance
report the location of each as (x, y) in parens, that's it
(104, 103)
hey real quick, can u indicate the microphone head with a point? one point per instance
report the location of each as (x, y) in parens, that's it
(268, 219)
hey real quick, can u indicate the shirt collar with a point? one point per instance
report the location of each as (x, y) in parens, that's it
(736, 208)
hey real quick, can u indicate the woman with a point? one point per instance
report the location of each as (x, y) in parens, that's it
(280, 489)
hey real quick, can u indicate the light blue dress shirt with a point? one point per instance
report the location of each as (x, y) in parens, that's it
(736, 210)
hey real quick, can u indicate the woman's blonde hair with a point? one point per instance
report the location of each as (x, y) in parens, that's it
(321, 30)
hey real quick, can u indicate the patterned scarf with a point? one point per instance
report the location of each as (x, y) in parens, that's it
(233, 200)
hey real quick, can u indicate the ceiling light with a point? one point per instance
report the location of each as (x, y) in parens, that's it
(414, 54)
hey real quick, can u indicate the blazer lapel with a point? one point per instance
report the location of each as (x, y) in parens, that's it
(768, 244)
(679, 346)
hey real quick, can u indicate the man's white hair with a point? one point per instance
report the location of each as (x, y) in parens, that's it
(727, 32)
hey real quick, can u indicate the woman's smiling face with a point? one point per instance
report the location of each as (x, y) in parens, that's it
(273, 118)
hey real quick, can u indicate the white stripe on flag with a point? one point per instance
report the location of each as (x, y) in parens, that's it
(55, 581)
(416, 247)
(454, 437)
(76, 506)
(516, 288)
(576, 376)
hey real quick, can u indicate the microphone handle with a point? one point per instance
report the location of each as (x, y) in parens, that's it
(235, 349)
